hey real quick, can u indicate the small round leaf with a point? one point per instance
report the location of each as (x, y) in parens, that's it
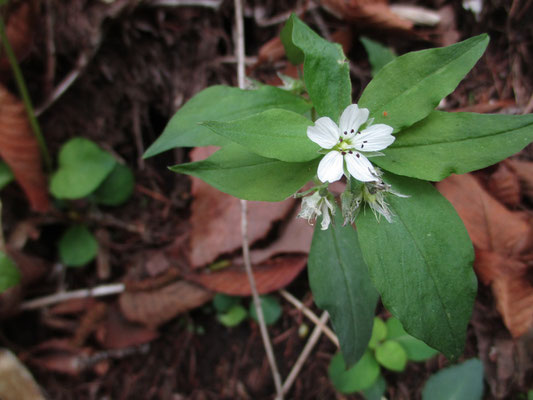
(116, 188)
(360, 377)
(391, 355)
(271, 309)
(77, 246)
(416, 349)
(9, 273)
(223, 302)
(233, 317)
(379, 332)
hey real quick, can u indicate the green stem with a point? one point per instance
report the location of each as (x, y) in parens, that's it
(19, 78)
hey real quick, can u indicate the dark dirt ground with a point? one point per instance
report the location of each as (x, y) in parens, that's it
(142, 62)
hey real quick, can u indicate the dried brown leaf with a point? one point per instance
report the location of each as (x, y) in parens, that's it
(514, 295)
(19, 31)
(524, 171)
(216, 219)
(269, 276)
(505, 186)
(16, 381)
(19, 149)
(155, 307)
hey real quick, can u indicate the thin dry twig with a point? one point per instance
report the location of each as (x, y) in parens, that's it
(185, 3)
(244, 219)
(310, 314)
(304, 355)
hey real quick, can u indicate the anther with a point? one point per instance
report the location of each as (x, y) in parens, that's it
(351, 131)
(340, 140)
(343, 153)
(351, 152)
(345, 132)
(357, 155)
(364, 141)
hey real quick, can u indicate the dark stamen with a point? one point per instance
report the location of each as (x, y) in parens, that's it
(362, 145)
(351, 152)
(345, 132)
(340, 140)
(351, 131)
(364, 141)
(357, 155)
(343, 153)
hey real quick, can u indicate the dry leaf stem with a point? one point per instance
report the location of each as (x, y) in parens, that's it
(244, 221)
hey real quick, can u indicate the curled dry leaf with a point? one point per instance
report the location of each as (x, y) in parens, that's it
(216, 219)
(505, 186)
(269, 276)
(502, 240)
(524, 171)
(19, 149)
(155, 307)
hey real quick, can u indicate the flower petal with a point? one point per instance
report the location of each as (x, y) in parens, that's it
(359, 167)
(377, 137)
(351, 119)
(331, 167)
(325, 133)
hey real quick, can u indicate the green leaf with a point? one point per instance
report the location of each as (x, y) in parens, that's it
(421, 264)
(220, 103)
(116, 188)
(77, 246)
(459, 382)
(274, 133)
(455, 143)
(416, 349)
(326, 70)
(377, 390)
(360, 377)
(271, 310)
(340, 283)
(412, 85)
(379, 332)
(233, 317)
(391, 355)
(243, 174)
(6, 176)
(223, 302)
(9, 273)
(83, 166)
(530, 395)
(378, 54)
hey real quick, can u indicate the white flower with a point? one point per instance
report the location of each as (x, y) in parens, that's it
(348, 143)
(314, 206)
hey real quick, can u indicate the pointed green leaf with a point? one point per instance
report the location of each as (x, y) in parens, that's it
(326, 70)
(275, 133)
(416, 349)
(421, 264)
(243, 174)
(9, 273)
(455, 143)
(220, 103)
(408, 88)
(341, 285)
(359, 377)
(378, 55)
(458, 382)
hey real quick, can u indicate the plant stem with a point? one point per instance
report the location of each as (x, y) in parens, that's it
(19, 78)
(2, 241)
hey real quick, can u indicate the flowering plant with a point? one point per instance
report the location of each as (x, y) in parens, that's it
(388, 145)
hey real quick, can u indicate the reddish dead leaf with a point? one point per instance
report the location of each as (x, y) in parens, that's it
(491, 266)
(216, 219)
(72, 306)
(58, 355)
(367, 13)
(19, 149)
(524, 171)
(269, 276)
(271, 51)
(490, 225)
(118, 333)
(505, 186)
(155, 307)
(88, 323)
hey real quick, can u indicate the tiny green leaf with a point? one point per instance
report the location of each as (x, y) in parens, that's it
(458, 382)
(275, 133)
(9, 273)
(220, 103)
(341, 285)
(83, 166)
(271, 309)
(77, 246)
(379, 332)
(391, 355)
(116, 188)
(233, 317)
(455, 143)
(243, 174)
(421, 264)
(378, 54)
(360, 377)
(326, 70)
(223, 302)
(416, 349)
(408, 88)
(6, 176)
(377, 390)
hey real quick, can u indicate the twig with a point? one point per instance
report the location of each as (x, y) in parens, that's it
(50, 71)
(310, 314)
(315, 335)
(98, 291)
(181, 3)
(244, 220)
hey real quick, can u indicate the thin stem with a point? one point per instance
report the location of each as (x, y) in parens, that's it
(19, 78)
(2, 241)
(244, 221)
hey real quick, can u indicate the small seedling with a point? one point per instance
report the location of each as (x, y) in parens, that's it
(230, 311)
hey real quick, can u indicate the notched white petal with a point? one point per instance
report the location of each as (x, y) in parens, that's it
(377, 137)
(330, 168)
(360, 168)
(351, 119)
(325, 133)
